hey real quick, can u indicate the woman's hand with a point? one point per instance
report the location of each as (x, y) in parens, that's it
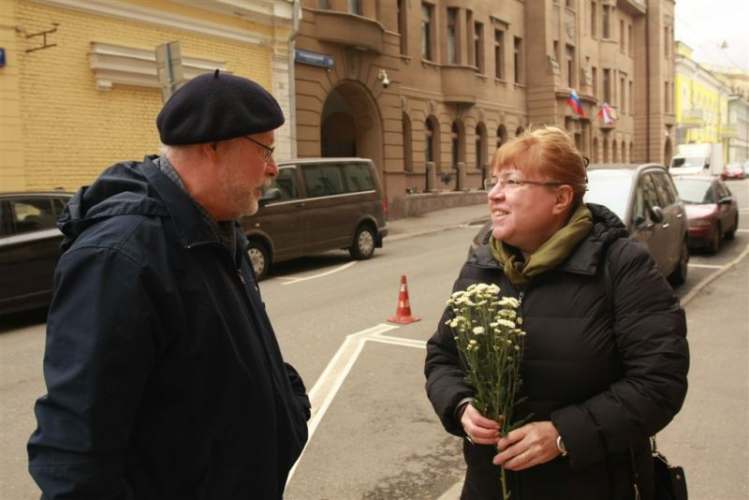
(480, 430)
(526, 446)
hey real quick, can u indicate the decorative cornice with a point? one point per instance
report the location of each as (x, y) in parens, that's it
(130, 12)
(117, 64)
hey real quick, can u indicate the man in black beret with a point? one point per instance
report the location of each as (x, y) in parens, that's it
(164, 376)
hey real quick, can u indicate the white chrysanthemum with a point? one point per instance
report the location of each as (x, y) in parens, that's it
(509, 301)
(479, 330)
(506, 322)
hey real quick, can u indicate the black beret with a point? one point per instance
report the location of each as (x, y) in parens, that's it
(215, 107)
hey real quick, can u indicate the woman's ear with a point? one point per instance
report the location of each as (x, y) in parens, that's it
(565, 197)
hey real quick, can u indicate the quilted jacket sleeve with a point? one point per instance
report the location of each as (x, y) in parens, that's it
(650, 330)
(445, 384)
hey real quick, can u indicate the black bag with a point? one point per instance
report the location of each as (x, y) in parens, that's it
(670, 481)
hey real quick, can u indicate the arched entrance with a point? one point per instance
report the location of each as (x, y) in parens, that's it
(350, 124)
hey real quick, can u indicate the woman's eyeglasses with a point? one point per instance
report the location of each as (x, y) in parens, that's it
(268, 150)
(491, 182)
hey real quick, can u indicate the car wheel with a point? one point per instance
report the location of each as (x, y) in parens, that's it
(679, 276)
(730, 234)
(364, 243)
(715, 242)
(259, 258)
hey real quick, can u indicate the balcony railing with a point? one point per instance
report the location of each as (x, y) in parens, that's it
(693, 115)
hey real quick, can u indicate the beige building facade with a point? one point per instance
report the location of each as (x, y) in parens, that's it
(430, 89)
(79, 89)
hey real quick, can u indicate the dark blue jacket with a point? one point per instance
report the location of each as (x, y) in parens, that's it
(164, 376)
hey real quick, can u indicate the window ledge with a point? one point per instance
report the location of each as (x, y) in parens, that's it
(120, 65)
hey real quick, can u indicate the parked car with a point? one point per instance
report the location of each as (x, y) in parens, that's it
(645, 199)
(316, 205)
(733, 171)
(29, 248)
(711, 208)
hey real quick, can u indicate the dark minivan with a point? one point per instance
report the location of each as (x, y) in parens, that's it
(316, 205)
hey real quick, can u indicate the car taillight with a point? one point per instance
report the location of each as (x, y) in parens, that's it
(385, 206)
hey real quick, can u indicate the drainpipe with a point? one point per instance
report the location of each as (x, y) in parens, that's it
(647, 86)
(296, 8)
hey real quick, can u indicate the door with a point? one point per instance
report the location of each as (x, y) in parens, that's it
(647, 231)
(329, 208)
(283, 220)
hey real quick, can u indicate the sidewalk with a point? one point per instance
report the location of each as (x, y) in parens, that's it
(439, 220)
(719, 385)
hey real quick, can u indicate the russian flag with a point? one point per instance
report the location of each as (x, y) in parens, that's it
(575, 103)
(607, 114)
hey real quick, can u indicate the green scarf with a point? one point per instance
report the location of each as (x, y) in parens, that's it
(552, 253)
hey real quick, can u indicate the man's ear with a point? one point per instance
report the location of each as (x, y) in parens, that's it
(210, 151)
(565, 197)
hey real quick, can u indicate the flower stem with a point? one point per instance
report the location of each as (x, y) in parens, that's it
(505, 492)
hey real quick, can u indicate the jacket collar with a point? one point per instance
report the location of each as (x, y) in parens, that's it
(586, 258)
(191, 228)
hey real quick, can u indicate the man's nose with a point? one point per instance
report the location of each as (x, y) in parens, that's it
(272, 167)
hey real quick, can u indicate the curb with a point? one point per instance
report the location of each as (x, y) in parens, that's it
(709, 279)
(406, 235)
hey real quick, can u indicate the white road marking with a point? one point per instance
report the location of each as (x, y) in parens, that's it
(315, 276)
(742, 230)
(327, 386)
(706, 266)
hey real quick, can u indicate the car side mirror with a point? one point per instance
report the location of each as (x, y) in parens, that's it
(269, 195)
(656, 214)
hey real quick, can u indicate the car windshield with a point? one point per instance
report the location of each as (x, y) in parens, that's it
(695, 190)
(610, 188)
(692, 161)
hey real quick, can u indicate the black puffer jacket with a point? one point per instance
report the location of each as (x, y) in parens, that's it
(606, 383)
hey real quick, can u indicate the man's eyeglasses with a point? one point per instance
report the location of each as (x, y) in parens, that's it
(492, 181)
(268, 150)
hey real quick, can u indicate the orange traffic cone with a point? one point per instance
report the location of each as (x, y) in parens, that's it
(403, 313)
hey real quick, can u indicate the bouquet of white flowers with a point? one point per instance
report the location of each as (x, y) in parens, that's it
(490, 344)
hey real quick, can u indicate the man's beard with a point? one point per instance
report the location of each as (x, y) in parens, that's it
(242, 201)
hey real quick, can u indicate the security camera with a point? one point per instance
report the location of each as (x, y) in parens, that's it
(383, 76)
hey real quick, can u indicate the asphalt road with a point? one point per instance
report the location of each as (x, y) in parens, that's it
(374, 434)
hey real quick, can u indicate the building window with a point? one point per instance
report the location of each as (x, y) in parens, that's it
(594, 76)
(518, 59)
(501, 136)
(324, 4)
(478, 46)
(631, 94)
(430, 141)
(606, 21)
(452, 36)
(622, 41)
(499, 60)
(426, 31)
(607, 85)
(571, 66)
(593, 19)
(480, 146)
(622, 93)
(630, 48)
(407, 155)
(354, 7)
(403, 25)
(455, 140)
